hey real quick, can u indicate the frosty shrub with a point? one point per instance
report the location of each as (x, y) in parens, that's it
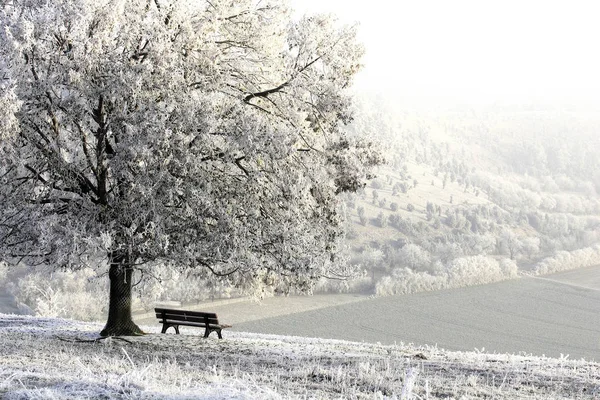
(405, 281)
(413, 256)
(460, 272)
(564, 260)
(369, 258)
(477, 270)
(509, 268)
(76, 294)
(64, 294)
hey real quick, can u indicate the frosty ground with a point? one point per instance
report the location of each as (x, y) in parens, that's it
(42, 359)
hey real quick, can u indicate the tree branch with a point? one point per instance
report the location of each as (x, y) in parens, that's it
(86, 151)
(267, 92)
(220, 274)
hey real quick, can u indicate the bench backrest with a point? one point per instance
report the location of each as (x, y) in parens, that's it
(189, 316)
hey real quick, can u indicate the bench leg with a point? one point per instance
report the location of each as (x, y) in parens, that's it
(209, 331)
(164, 328)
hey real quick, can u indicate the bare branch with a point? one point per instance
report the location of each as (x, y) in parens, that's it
(216, 273)
(86, 151)
(267, 92)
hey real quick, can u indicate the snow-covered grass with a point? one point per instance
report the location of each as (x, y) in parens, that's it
(37, 364)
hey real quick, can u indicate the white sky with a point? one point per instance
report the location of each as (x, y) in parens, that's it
(476, 50)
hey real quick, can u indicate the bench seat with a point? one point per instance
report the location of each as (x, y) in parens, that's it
(174, 318)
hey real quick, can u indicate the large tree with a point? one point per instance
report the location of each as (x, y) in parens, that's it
(205, 134)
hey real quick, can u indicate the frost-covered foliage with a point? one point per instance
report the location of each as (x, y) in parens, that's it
(405, 280)
(477, 270)
(464, 271)
(74, 294)
(171, 284)
(205, 134)
(9, 105)
(412, 256)
(81, 294)
(369, 258)
(564, 260)
(36, 364)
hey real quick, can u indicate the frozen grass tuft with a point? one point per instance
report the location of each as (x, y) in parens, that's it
(38, 365)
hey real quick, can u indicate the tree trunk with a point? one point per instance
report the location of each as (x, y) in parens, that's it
(119, 321)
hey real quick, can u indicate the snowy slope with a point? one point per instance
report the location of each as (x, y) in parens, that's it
(36, 363)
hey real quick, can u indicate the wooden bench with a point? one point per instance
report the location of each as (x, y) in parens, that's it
(174, 318)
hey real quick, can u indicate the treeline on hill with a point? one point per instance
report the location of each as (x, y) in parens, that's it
(497, 190)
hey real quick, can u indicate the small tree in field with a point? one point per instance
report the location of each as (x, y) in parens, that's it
(202, 134)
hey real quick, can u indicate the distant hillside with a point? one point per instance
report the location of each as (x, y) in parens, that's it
(517, 185)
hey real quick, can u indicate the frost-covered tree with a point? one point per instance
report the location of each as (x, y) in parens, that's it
(509, 243)
(414, 257)
(204, 134)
